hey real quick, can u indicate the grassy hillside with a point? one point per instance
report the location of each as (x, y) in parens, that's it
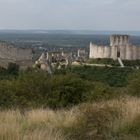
(107, 120)
(78, 103)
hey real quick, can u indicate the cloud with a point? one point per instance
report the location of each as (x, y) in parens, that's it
(70, 14)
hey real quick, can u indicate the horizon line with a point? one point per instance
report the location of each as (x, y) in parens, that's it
(108, 30)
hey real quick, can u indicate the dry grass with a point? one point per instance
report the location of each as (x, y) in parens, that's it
(99, 121)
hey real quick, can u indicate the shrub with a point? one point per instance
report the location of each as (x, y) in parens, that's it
(66, 90)
(106, 61)
(33, 89)
(115, 77)
(134, 84)
(13, 68)
(101, 91)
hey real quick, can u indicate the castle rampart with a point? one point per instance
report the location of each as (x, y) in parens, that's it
(117, 40)
(107, 52)
(119, 47)
(114, 52)
(122, 50)
(11, 54)
(138, 53)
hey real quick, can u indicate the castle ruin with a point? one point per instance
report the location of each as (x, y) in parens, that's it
(120, 47)
(11, 54)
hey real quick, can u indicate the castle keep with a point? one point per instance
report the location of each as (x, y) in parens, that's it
(120, 47)
(11, 54)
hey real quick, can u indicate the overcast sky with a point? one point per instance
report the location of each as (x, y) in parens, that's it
(70, 14)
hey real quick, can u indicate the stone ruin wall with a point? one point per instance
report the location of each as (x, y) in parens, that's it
(139, 52)
(12, 54)
(132, 52)
(127, 52)
(118, 44)
(119, 40)
(81, 52)
(102, 51)
(107, 52)
(122, 50)
(99, 51)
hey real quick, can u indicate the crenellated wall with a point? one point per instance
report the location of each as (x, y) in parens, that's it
(119, 47)
(127, 52)
(118, 40)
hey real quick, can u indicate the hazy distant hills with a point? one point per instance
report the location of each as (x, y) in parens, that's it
(63, 38)
(84, 32)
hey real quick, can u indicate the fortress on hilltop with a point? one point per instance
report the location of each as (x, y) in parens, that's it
(120, 47)
(11, 54)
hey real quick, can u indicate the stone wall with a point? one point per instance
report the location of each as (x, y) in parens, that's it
(135, 52)
(11, 54)
(139, 52)
(99, 51)
(119, 47)
(81, 53)
(122, 50)
(118, 40)
(107, 52)
(126, 52)
(114, 52)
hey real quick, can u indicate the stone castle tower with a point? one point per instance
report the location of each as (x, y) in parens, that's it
(120, 47)
(119, 40)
